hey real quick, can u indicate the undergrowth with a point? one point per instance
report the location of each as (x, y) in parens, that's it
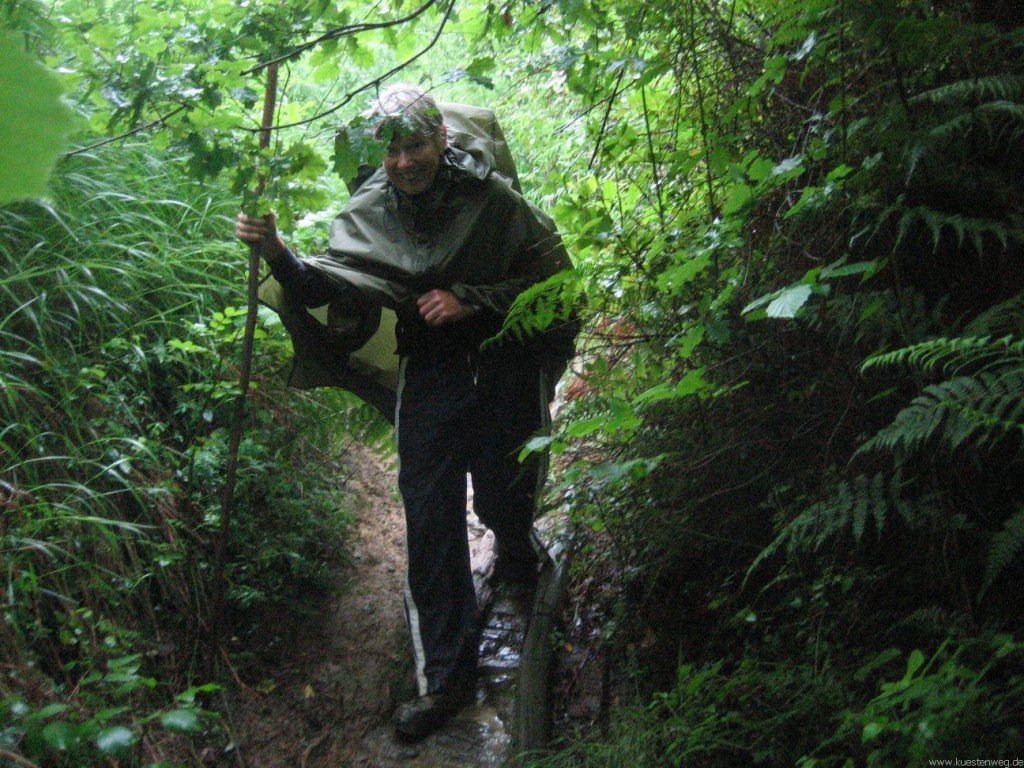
(796, 434)
(119, 333)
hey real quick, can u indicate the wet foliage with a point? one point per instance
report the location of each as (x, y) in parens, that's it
(790, 446)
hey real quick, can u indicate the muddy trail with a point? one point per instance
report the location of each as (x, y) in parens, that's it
(327, 700)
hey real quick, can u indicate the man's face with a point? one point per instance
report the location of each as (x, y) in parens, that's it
(412, 161)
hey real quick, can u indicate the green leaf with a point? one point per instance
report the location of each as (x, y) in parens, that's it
(789, 301)
(189, 695)
(50, 710)
(481, 65)
(540, 444)
(841, 269)
(634, 469)
(872, 731)
(790, 167)
(181, 720)
(61, 735)
(356, 145)
(810, 195)
(116, 741)
(914, 663)
(839, 172)
(879, 661)
(675, 278)
(692, 383)
(585, 427)
(739, 197)
(33, 122)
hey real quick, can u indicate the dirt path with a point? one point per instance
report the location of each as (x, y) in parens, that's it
(329, 702)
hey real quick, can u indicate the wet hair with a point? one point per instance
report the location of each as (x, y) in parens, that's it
(404, 109)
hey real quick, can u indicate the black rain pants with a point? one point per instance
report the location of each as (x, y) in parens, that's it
(462, 412)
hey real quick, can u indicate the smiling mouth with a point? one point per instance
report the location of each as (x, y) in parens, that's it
(411, 180)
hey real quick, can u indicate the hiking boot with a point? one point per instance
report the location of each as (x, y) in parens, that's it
(520, 574)
(420, 717)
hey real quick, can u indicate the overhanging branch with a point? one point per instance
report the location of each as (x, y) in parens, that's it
(377, 81)
(333, 34)
(345, 31)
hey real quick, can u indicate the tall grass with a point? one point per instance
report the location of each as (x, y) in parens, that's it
(118, 340)
(120, 260)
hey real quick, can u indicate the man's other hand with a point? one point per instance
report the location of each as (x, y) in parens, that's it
(440, 307)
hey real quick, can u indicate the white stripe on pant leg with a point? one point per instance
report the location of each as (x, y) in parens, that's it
(542, 465)
(412, 614)
(545, 426)
(398, 392)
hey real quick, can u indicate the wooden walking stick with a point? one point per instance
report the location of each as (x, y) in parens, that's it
(218, 599)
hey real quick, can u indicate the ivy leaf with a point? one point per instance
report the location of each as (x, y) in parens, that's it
(33, 122)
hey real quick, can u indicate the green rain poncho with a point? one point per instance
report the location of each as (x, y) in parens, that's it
(490, 245)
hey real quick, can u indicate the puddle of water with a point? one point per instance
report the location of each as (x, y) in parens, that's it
(481, 735)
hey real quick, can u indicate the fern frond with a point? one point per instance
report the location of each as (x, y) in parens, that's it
(992, 113)
(983, 402)
(963, 227)
(545, 305)
(998, 123)
(913, 426)
(1006, 547)
(931, 619)
(984, 409)
(999, 412)
(849, 508)
(950, 130)
(1002, 87)
(1002, 121)
(1005, 318)
(954, 355)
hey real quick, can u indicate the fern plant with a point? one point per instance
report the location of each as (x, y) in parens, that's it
(851, 508)
(977, 406)
(1005, 548)
(982, 403)
(953, 355)
(1001, 87)
(549, 305)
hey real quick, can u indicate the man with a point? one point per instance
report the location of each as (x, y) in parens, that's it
(448, 245)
